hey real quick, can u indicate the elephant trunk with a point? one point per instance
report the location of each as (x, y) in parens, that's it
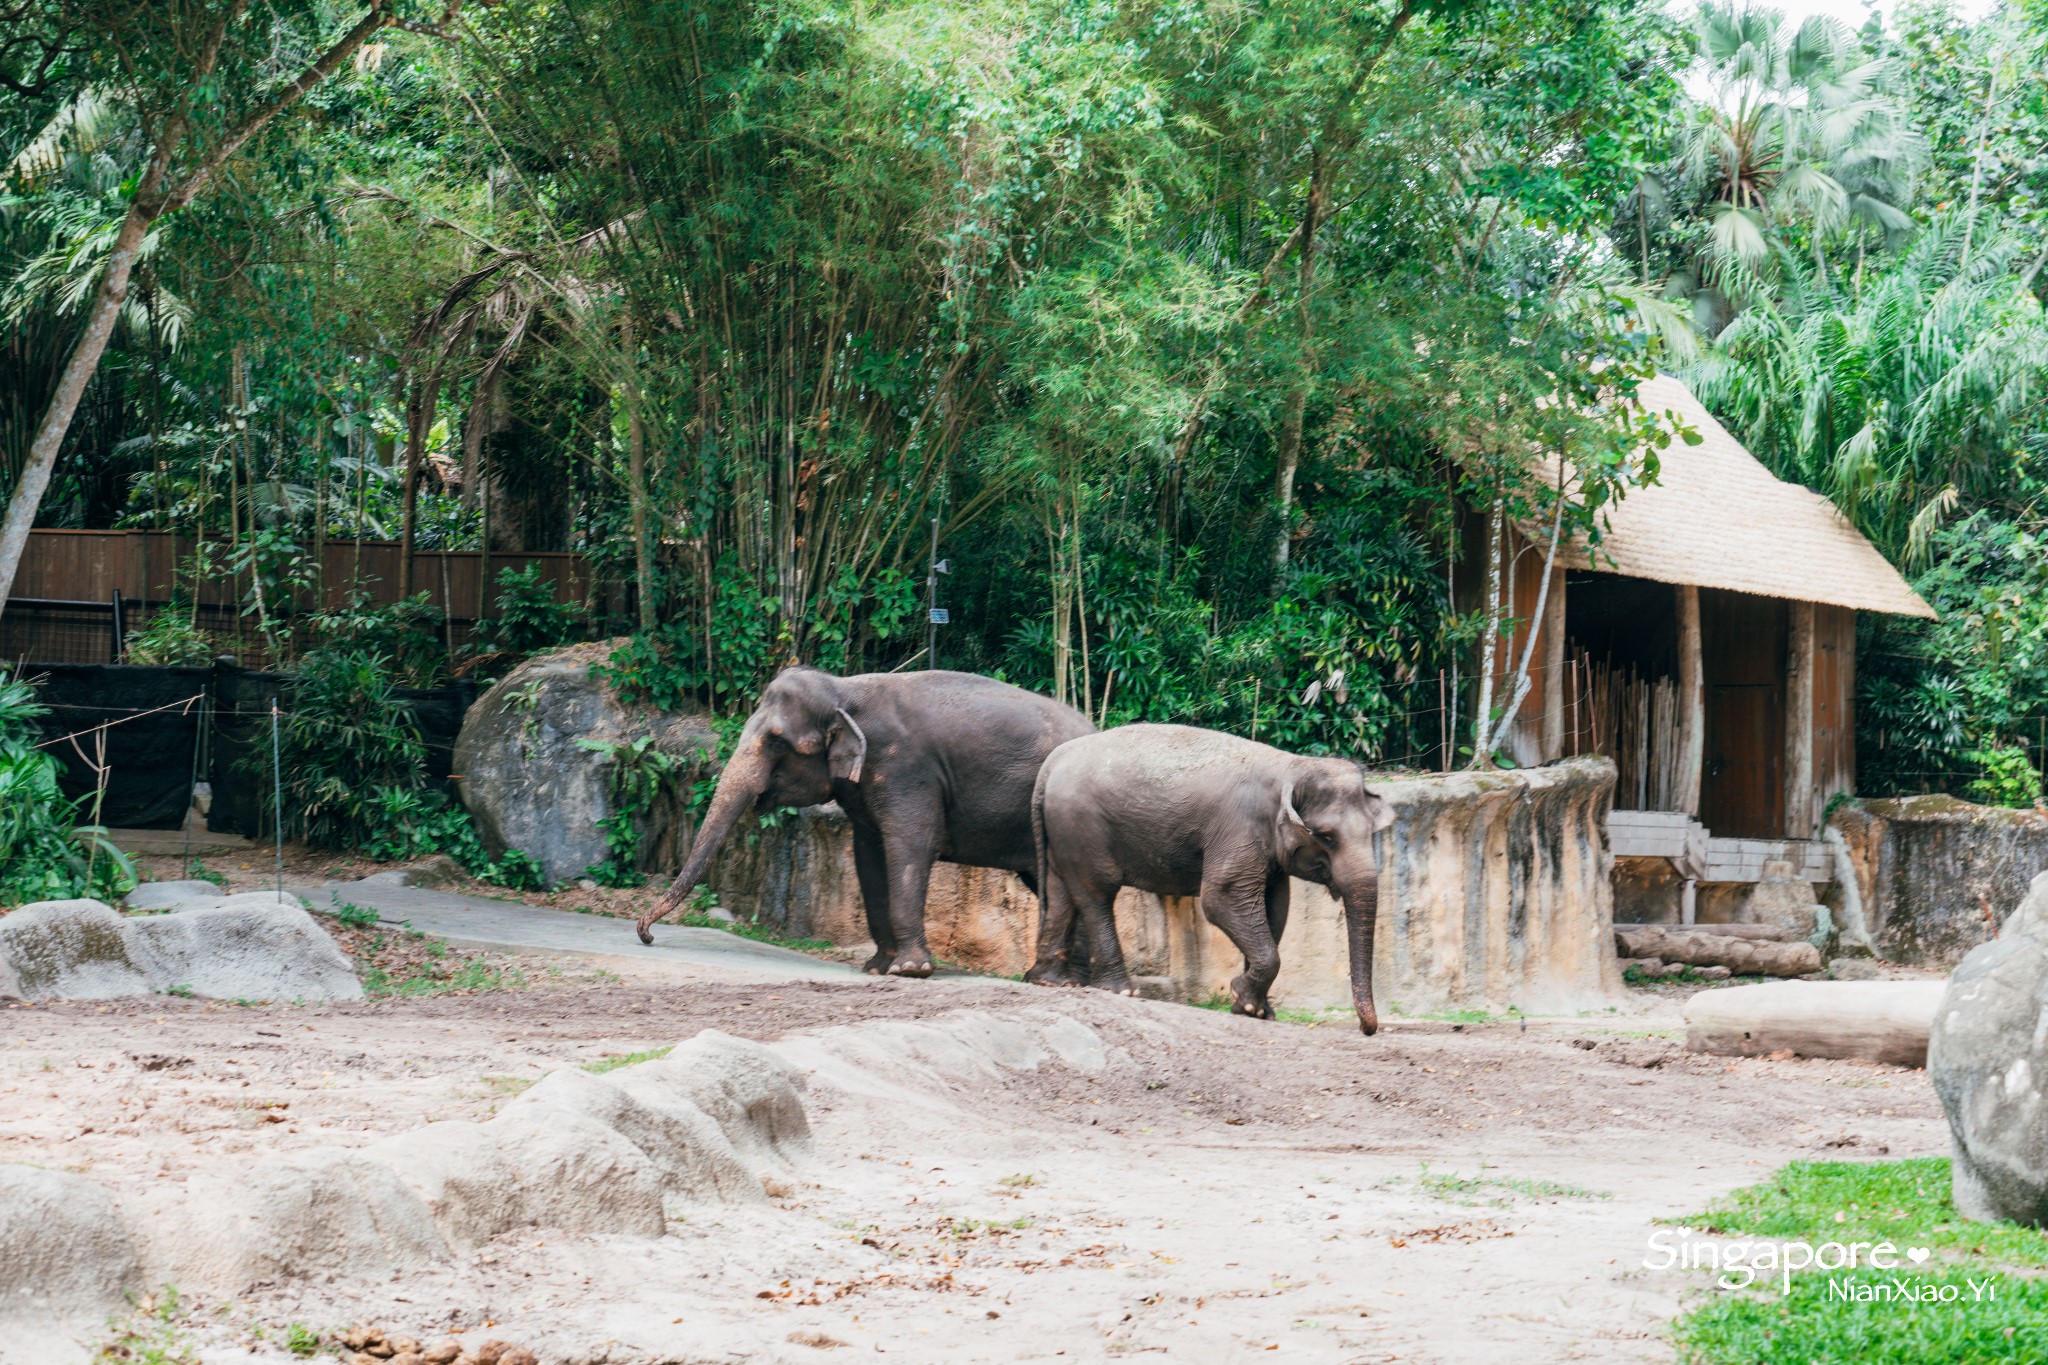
(739, 786)
(1361, 909)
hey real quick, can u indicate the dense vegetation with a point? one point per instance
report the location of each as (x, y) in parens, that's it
(1183, 328)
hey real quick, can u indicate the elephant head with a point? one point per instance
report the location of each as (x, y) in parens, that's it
(1325, 824)
(801, 737)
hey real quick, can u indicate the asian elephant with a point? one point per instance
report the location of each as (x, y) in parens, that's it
(1180, 811)
(931, 766)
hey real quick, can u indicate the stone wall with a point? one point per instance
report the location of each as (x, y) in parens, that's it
(1494, 891)
(1937, 874)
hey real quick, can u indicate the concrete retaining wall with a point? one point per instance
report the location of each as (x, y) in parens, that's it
(1937, 873)
(1494, 892)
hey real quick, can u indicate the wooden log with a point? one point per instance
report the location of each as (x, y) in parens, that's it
(1881, 1021)
(1687, 763)
(1799, 796)
(1743, 956)
(1774, 932)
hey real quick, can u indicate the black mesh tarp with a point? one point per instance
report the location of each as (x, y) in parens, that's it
(241, 766)
(151, 725)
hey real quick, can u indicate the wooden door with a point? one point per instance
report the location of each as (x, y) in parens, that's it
(1742, 783)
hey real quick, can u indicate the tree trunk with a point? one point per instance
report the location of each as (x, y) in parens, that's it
(78, 372)
(1692, 703)
(1289, 461)
(636, 485)
(419, 419)
(1482, 714)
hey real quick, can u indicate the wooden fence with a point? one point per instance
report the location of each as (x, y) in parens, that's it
(76, 590)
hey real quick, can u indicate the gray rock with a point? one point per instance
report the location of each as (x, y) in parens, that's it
(74, 950)
(533, 787)
(65, 1254)
(254, 946)
(1783, 901)
(1988, 1059)
(1854, 969)
(1934, 873)
(169, 895)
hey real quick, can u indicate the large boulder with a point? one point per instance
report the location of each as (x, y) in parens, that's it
(66, 1258)
(1988, 1059)
(1935, 873)
(255, 946)
(532, 785)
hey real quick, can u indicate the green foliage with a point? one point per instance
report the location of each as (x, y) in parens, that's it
(347, 741)
(44, 855)
(169, 638)
(355, 916)
(613, 1063)
(1905, 1203)
(639, 777)
(405, 637)
(2009, 778)
(529, 618)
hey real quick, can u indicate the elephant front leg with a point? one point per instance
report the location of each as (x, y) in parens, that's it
(1240, 908)
(871, 866)
(910, 873)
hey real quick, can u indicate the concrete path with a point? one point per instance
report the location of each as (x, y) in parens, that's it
(475, 921)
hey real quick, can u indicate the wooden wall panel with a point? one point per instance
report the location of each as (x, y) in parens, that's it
(1834, 704)
(1742, 784)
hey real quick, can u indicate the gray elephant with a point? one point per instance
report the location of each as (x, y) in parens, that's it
(1181, 812)
(928, 767)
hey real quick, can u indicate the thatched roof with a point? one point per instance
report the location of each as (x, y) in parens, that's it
(1716, 518)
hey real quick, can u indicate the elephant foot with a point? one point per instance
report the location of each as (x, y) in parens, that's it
(1058, 972)
(1368, 1020)
(878, 965)
(1244, 1001)
(1116, 983)
(909, 963)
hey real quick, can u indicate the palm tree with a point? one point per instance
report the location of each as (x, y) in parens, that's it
(1794, 128)
(1901, 400)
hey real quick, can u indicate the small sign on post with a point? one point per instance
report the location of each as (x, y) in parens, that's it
(941, 616)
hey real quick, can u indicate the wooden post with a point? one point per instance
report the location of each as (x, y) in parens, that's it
(1799, 673)
(1692, 702)
(1553, 667)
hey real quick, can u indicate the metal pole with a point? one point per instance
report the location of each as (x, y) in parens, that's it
(120, 628)
(198, 738)
(277, 793)
(931, 603)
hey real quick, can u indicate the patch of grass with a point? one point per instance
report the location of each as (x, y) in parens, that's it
(355, 916)
(200, 872)
(759, 933)
(301, 1340)
(1471, 1189)
(1903, 1202)
(181, 991)
(151, 1336)
(1019, 1182)
(962, 1228)
(1868, 1201)
(471, 978)
(508, 1085)
(613, 1063)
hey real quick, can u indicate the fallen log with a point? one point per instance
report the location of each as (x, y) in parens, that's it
(1881, 1021)
(1776, 932)
(1743, 956)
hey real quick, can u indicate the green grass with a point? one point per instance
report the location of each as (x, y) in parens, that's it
(759, 933)
(613, 1063)
(301, 1340)
(1471, 1189)
(508, 1085)
(1903, 1202)
(471, 977)
(355, 916)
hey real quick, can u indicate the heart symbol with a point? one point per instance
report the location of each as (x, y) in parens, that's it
(1916, 1254)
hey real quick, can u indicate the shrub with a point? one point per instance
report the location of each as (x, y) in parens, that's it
(529, 618)
(170, 638)
(43, 855)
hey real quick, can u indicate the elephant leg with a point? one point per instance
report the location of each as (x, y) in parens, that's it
(1057, 930)
(872, 868)
(1238, 906)
(910, 874)
(1104, 967)
(1277, 899)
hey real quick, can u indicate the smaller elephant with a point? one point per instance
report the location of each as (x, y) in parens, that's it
(1181, 811)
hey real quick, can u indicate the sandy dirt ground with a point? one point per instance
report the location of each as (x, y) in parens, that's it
(1221, 1190)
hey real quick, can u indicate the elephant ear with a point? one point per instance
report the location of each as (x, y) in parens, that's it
(1294, 833)
(1378, 811)
(848, 749)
